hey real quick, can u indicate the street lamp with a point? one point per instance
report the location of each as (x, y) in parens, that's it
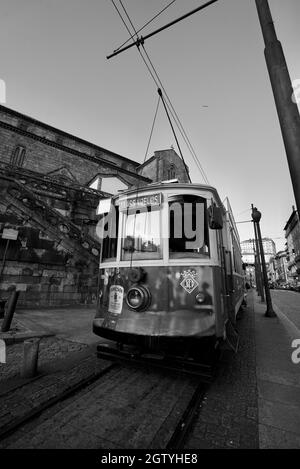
(259, 281)
(256, 216)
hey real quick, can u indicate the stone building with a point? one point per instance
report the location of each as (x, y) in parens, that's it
(164, 165)
(281, 268)
(50, 186)
(292, 234)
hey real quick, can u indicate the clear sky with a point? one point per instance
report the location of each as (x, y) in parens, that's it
(53, 60)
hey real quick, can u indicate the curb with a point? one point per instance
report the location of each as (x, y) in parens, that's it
(10, 339)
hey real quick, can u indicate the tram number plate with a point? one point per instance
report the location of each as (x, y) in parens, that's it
(116, 294)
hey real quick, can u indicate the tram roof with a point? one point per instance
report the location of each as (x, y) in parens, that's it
(165, 185)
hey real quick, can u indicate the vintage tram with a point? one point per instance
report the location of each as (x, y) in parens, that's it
(171, 276)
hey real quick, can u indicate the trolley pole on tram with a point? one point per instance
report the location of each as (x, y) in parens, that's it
(256, 216)
(285, 101)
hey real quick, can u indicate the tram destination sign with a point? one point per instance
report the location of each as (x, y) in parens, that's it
(151, 200)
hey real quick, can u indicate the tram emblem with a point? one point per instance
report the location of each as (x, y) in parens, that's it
(189, 283)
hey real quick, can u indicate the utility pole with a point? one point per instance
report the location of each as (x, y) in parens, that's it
(259, 264)
(287, 109)
(256, 216)
(259, 281)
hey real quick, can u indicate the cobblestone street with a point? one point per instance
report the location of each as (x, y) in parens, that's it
(227, 417)
(229, 414)
(252, 403)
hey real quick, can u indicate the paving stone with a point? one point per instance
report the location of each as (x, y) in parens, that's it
(229, 415)
(274, 438)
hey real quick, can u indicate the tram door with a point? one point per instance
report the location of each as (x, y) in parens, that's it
(229, 285)
(227, 276)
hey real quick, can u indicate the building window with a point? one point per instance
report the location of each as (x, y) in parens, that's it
(18, 156)
(171, 172)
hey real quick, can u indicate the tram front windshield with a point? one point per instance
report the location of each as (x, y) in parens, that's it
(142, 234)
(141, 230)
(188, 227)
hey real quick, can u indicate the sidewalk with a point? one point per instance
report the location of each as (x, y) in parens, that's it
(74, 324)
(278, 379)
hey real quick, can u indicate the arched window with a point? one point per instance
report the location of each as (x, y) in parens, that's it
(171, 172)
(18, 156)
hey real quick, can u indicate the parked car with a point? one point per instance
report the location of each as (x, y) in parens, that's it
(283, 286)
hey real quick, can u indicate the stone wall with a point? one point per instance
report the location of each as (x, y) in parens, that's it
(48, 266)
(50, 151)
(43, 285)
(52, 261)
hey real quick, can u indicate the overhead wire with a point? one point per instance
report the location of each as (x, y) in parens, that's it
(146, 24)
(159, 84)
(128, 17)
(178, 122)
(174, 133)
(179, 125)
(151, 132)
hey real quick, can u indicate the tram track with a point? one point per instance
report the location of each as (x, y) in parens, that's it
(186, 421)
(36, 412)
(152, 410)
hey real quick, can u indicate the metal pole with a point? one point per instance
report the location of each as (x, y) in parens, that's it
(256, 215)
(170, 122)
(260, 274)
(270, 313)
(4, 258)
(259, 269)
(10, 311)
(255, 266)
(283, 92)
(142, 39)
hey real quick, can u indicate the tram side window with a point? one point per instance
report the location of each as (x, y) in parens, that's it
(237, 260)
(188, 225)
(110, 235)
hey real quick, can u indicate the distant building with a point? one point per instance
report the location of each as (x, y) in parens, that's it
(281, 267)
(271, 272)
(248, 255)
(292, 234)
(248, 250)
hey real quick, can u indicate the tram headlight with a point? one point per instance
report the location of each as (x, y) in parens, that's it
(138, 298)
(200, 297)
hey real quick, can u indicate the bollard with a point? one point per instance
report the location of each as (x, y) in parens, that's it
(2, 307)
(30, 358)
(12, 302)
(2, 351)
